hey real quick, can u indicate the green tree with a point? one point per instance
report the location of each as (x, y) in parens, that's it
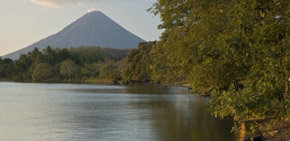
(68, 68)
(90, 55)
(6, 68)
(83, 67)
(136, 67)
(42, 73)
(92, 70)
(36, 56)
(110, 72)
(22, 66)
(235, 49)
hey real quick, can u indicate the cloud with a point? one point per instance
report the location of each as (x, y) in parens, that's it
(58, 3)
(91, 10)
(45, 3)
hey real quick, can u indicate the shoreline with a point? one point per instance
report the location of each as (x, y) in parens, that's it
(104, 83)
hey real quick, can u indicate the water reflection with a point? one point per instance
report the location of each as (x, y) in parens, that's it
(102, 112)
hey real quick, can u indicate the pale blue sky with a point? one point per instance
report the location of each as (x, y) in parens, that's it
(24, 22)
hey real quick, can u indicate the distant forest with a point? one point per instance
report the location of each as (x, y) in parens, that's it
(83, 64)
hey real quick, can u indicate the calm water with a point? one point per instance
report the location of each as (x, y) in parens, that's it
(65, 112)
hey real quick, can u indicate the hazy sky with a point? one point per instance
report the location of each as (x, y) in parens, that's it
(24, 22)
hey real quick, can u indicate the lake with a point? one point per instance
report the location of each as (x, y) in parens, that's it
(86, 112)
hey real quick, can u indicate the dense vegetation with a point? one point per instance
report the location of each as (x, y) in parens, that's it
(92, 64)
(136, 68)
(235, 50)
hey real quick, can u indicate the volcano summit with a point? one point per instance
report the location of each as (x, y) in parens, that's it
(93, 29)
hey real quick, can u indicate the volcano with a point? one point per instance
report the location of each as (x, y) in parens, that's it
(93, 29)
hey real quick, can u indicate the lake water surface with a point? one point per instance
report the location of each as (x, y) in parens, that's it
(88, 112)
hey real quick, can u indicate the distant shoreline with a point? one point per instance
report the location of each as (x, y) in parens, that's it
(102, 83)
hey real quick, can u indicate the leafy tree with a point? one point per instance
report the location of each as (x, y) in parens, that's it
(92, 70)
(235, 49)
(68, 68)
(85, 63)
(110, 72)
(137, 64)
(61, 55)
(21, 68)
(84, 55)
(1, 67)
(6, 68)
(42, 73)
(7, 61)
(36, 55)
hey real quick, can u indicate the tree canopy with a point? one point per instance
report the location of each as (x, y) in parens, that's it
(237, 50)
(62, 65)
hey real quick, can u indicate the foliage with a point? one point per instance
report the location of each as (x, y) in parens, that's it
(92, 70)
(110, 72)
(84, 55)
(68, 68)
(136, 67)
(42, 72)
(238, 50)
(6, 68)
(58, 65)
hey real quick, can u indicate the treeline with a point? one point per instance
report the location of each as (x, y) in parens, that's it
(236, 51)
(82, 64)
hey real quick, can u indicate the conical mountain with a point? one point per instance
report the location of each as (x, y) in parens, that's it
(93, 29)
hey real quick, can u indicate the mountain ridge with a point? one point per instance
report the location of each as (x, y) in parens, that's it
(92, 29)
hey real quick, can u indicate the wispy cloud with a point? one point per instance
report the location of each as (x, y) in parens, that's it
(59, 3)
(91, 10)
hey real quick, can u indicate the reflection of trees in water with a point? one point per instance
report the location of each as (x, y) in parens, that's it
(141, 89)
(147, 90)
(182, 117)
(191, 121)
